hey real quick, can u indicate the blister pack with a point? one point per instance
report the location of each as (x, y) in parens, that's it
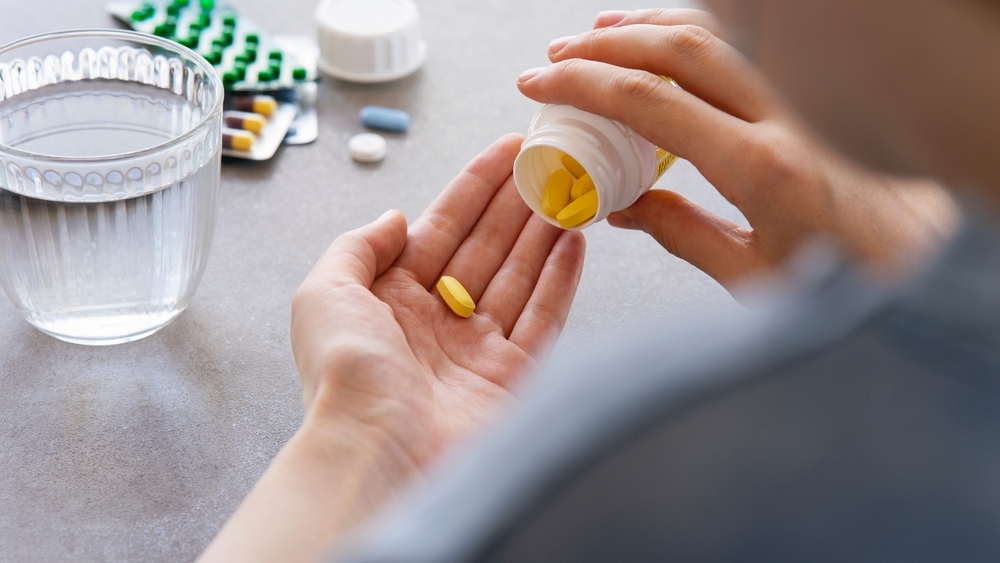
(253, 66)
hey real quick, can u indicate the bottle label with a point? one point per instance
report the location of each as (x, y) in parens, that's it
(664, 161)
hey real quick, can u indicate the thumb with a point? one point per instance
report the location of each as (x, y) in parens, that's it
(361, 255)
(720, 248)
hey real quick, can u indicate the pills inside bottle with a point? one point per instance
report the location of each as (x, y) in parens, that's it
(563, 196)
(575, 168)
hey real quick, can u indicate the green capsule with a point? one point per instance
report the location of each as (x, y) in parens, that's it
(207, 5)
(242, 58)
(182, 2)
(229, 19)
(229, 79)
(275, 55)
(173, 9)
(299, 73)
(240, 68)
(252, 38)
(214, 57)
(227, 37)
(143, 12)
(204, 21)
(275, 70)
(265, 76)
(251, 53)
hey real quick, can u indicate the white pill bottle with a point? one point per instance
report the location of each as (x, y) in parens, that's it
(622, 164)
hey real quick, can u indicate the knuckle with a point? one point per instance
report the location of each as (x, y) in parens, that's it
(662, 231)
(640, 86)
(777, 162)
(588, 44)
(689, 40)
(574, 67)
(664, 235)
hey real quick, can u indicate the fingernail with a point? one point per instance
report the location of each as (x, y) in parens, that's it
(621, 221)
(528, 74)
(610, 18)
(558, 44)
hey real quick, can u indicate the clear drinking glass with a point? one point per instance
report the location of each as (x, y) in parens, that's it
(109, 176)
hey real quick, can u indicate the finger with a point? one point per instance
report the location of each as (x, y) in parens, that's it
(661, 16)
(700, 62)
(484, 251)
(361, 255)
(513, 284)
(544, 316)
(610, 18)
(439, 231)
(667, 116)
(722, 249)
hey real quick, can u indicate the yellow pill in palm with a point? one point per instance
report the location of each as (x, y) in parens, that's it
(583, 185)
(556, 194)
(456, 296)
(579, 211)
(572, 165)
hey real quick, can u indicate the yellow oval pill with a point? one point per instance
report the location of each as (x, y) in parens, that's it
(580, 211)
(556, 194)
(581, 186)
(455, 295)
(572, 165)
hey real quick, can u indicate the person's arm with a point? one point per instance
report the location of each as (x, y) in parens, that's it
(390, 375)
(728, 122)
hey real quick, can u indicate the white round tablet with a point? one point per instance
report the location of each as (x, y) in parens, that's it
(368, 147)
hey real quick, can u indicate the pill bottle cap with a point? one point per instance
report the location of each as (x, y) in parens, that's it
(369, 40)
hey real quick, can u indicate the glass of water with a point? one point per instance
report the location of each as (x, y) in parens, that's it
(109, 176)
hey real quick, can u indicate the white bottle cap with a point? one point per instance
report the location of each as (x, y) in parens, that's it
(369, 40)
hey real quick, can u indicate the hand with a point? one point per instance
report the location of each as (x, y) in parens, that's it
(728, 122)
(390, 375)
(374, 341)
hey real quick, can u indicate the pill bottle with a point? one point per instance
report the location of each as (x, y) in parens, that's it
(622, 165)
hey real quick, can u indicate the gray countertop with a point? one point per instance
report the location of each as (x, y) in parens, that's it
(141, 451)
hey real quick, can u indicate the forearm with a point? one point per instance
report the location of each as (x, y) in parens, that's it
(330, 476)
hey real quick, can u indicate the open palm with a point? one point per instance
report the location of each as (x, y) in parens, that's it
(376, 345)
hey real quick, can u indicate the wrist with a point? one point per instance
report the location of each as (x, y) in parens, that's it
(370, 459)
(329, 478)
(373, 399)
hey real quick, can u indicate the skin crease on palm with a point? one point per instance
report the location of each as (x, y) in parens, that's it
(391, 378)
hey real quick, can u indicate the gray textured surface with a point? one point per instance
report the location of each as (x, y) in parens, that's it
(141, 451)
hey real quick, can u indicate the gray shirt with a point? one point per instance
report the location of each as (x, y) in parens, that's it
(849, 423)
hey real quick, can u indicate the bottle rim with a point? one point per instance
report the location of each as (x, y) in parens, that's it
(134, 37)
